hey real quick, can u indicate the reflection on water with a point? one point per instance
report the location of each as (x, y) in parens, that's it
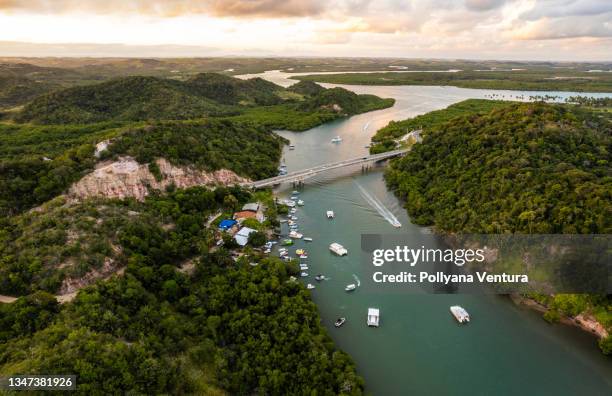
(419, 348)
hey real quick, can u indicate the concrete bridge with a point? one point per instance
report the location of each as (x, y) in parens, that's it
(299, 176)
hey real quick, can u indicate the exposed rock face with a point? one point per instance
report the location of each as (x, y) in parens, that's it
(127, 178)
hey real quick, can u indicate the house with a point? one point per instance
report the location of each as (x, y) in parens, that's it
(242, 236)
(252, 207)
(227, 224)
(247, 214)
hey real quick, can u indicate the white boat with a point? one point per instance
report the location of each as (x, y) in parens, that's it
(308, 239)
(295, 235)
(339, 322)
(300, 202)
(293, 210)
(291, 147)
(460, 314)
(294, 199)
(283, 220)
(338, 249)
(310, 286)
(319, 277)
(330, 214)
(350, 287)
(294, 218)
(303, 256)
(304, 268)
(304, 274)
(396, 224)
(290, 203)
(373, 317)
(337, 139)
(295, 192)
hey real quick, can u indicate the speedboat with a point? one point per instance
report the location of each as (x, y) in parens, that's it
(350, 287)
(319, 277)
(287, 242)
(300, 202)
(330, 214)
(337, 139)
(310, 286)
(303, 256)
(339, 322)
(304, 274)
(299, 252)
(308, 239)
(338, 249)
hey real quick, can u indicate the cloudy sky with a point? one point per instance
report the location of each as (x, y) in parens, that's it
(478, 29)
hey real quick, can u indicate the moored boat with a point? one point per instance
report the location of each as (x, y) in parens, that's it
(339, 322)
(460, 314)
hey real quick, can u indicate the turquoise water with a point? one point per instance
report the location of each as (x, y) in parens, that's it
(419, 348)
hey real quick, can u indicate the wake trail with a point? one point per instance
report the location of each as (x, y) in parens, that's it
(380, 208)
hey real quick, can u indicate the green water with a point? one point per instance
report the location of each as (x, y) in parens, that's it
(419, 348)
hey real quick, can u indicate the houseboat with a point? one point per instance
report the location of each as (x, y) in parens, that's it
(460, 314)
(338, 249)
(373, 317)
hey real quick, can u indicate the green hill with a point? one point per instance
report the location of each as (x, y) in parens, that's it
(141, 98)
(530, 168)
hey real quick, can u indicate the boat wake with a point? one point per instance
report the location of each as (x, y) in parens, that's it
(358, 282)
(365, 127)
(380, 208)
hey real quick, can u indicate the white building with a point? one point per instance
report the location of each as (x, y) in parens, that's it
(242, 236)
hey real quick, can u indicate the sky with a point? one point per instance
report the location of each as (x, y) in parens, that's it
(572, 30)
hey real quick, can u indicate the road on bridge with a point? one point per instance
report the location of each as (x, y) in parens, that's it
(306, 173)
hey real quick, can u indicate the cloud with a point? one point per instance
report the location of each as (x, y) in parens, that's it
(562, 8)
(172, 8)
(483, 5)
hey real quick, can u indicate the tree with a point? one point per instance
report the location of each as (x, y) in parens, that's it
(257, 238)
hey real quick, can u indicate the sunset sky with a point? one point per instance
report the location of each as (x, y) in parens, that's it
(478, 29)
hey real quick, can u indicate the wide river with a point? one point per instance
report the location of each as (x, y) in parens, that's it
(419, 348)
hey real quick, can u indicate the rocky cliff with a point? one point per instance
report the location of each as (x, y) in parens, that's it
(127, 178)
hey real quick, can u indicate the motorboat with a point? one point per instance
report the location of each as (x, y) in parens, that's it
(300, 202)
(295, 235)
(460, 314)
(308, 239)
(373, 317)
(337, 139)
(304, 274)
(339, 322)
(310, 286)
(319, 277)
(330, 214)
(338, 249)
(287, 242)
(299, 252)
(350, 287)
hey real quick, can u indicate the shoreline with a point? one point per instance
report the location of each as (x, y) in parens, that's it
(584, 322)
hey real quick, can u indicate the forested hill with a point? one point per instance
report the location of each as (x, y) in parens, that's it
(532, 168)
(139, 98)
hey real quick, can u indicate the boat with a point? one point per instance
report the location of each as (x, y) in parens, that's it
(303, 268)
(293, 198)
(300, 202)
(330, 214)
(295, 235)
(310, 286)
(308, 239)
(303, 256)
(337, 139)
(338, 249)
(350, 287)
(291, 147)
(339, 322)
(294, 218)
(460, 314)
(319, 277)
(295, 192)
(373, 317)
(287, 242)
(293, 210)
(290, 203)
(283, 220)
(396, 224)
(304, 274)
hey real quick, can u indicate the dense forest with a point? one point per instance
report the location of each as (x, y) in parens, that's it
(225, 326)
(544, 79)
(386, 138)
(141, 98)
(518, 168)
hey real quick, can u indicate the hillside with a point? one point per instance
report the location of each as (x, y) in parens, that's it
(159, 328)
(520, 168)
(533, 168)
(41, 162)
(140, 98)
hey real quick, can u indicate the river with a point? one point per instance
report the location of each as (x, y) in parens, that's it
(419, 348)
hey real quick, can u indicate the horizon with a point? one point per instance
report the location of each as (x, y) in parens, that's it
(506, 30)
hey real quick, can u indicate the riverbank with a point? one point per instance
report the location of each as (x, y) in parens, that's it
(582, 321)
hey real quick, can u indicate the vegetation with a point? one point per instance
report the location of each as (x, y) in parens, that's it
(140, 98)
(228, 327)
(39, 162)
(531, 80)
(518, 168)
(386, 138)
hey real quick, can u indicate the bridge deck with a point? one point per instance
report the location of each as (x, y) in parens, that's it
(305, 173)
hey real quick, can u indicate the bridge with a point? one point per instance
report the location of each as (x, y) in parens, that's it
(301, 175)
